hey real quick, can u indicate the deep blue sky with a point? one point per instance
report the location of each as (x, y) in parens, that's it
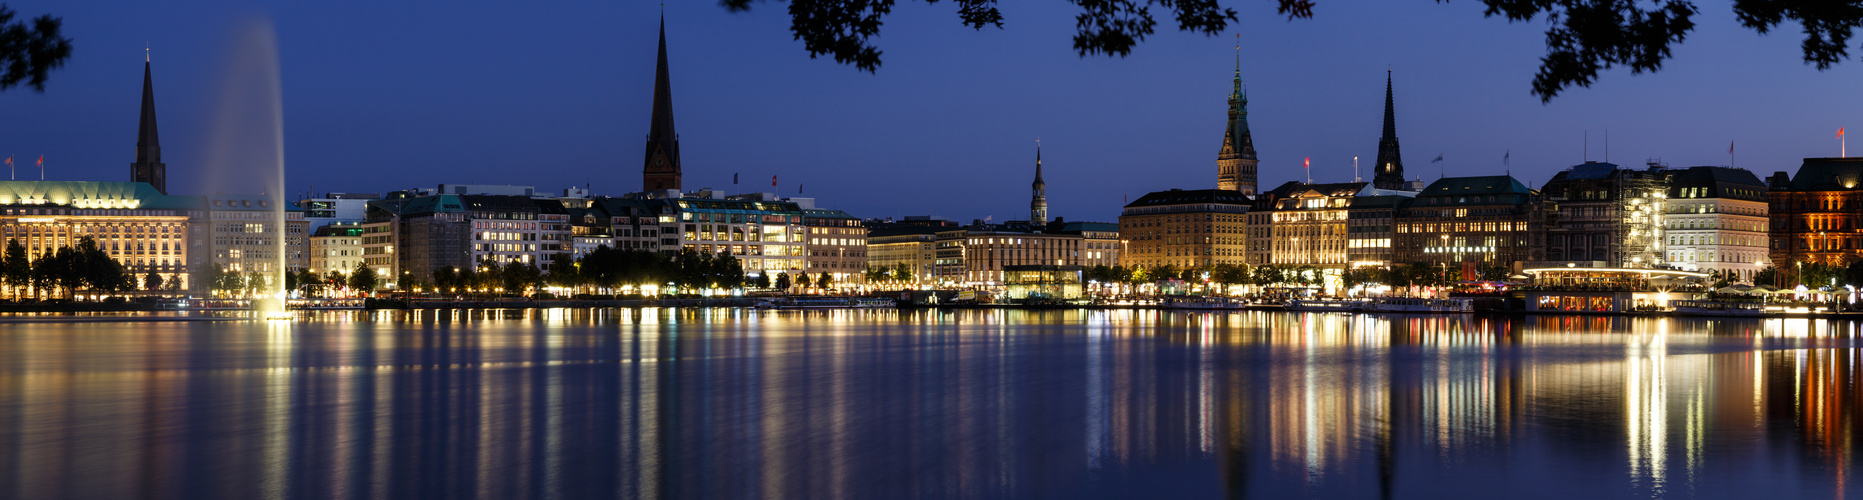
(393, 95)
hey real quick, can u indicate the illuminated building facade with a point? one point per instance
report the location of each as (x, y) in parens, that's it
(1468, 223)
(1817, 215)
(145, 230)
(836, 244)
(415, 236)
(246, 238)
(1185, 228)
(1370, 224)
(912, 241)
(618, 223)
(1099, 241)
(977, 254)
(1717, 221)
(767, 236)
(1307, 223)
(1600, 215)
(336, 247)
(516, 229)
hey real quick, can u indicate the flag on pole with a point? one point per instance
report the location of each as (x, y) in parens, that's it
(734, 179)
(772, 181)
(41, 167)
(1439, 158)
(798, 188)
(1730, 147)
(1840, 132)
(1507, 157)
(1307, 163)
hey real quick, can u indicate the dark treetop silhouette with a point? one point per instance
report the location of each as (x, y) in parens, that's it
(1584, 36)
(29, 52)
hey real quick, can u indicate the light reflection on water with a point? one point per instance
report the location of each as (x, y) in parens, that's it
(855, 404)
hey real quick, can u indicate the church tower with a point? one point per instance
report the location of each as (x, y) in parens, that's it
(1038, 207)
(148, 166)
(1390, 169)
(1235, 164)
(661, 170)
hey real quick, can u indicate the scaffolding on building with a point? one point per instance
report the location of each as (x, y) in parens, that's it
(1642, 198)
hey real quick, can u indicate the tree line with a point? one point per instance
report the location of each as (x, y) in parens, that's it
(62, 272)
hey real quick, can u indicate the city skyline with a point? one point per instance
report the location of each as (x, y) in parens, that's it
(755, 106)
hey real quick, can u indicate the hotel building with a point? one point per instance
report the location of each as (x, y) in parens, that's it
(1817, 215)
(1185, 228)
(1469, 223)
(1717, 221)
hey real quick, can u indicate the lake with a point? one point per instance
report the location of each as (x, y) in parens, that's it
(735, 403)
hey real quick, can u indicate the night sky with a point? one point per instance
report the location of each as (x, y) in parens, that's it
(395, 95)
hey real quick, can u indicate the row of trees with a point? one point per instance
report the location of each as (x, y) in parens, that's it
(68, 269)
(230, 282)
(899, 274)
(1811, 275)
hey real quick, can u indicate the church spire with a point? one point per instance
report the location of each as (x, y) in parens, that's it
(1390, 167)
(1235, 164)
(148, 166)
(1038, 207)
(662, 169)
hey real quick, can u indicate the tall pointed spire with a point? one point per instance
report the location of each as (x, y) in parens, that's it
(148, 166)
(662, 169)
(1235, 164)
(1390, 168)
(1038, 207)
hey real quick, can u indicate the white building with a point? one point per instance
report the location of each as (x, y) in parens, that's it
(1717, 221)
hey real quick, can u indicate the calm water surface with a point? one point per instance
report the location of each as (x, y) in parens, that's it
(731, 403)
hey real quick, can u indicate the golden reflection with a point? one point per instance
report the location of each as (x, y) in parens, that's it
(682, 402)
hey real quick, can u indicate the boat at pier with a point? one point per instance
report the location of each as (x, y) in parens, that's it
(1408, 305)
(827, 303)
(1337, 305)
(1201, 303)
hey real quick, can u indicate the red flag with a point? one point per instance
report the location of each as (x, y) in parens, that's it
(1307, 163)
(1730, 147)
(41, 160)
(1840, 132)
(772, 181)
(9, 159)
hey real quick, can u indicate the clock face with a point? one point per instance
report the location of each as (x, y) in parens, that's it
(659, 162)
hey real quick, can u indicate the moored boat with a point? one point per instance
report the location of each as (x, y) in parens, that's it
(1201, 302)
(827, 303)
(1408, 305)
(1715, 308)
(1324, 305)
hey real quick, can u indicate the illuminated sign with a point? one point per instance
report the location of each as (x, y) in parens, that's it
(38, 219)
